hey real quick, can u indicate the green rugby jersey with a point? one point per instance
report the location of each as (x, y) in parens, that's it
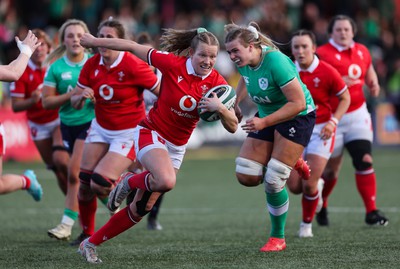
(63, 75)
(264, 82)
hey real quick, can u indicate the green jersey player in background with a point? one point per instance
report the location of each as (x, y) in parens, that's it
(59, 82)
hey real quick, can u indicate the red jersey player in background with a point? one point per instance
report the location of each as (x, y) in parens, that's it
(115, 82)
(161, 138)
(11, 72)
(324, 83)
(26, 95)
(354, 131)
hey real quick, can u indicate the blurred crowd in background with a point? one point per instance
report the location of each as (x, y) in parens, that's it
(376, 21)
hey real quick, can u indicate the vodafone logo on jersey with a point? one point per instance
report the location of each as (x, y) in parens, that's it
(187, 103)
(106, 92)
(354, 71)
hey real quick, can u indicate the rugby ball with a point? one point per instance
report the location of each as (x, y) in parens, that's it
(226, 94)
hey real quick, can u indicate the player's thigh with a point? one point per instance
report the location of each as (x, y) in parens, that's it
(92, 154)
(112, 165)
(56, 136)
(163, 173)
(45, 148)
(75, 160)
(333, 166)
(256, 150)
(285, 150)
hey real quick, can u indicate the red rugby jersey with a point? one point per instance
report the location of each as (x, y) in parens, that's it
(119, 90)
(354, 63)
(29, 81)
(324, 83)
(174, 115)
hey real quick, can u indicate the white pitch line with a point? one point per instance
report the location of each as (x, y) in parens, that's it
(204, 210)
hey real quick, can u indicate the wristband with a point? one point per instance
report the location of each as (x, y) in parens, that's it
(25, 49)
(334, 121)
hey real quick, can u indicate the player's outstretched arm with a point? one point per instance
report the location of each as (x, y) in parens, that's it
(16, 68)
(139, 50)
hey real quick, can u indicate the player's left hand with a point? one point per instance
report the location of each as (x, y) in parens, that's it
(253, 124)
(210, 104)
(374, 90)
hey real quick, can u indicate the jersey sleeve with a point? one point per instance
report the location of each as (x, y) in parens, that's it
(162, 60)
(50, 78)
(282, 70)
(146, 78)
(18, 88)
(83, 80)
(338, 86)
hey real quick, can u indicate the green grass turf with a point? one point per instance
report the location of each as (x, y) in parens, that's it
(210, 221)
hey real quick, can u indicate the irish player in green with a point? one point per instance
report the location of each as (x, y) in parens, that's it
(282, 127)
(59, 83)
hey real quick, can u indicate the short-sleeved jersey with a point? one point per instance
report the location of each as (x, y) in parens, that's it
(324, 82)
(63, 75)
(265, 81)
(353, 62)
(175, 115)
(23, 88)
(119, 90)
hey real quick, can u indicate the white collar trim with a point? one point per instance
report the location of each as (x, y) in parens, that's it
(190, 69)
(314, 64)
(116, 62)
(339, 47)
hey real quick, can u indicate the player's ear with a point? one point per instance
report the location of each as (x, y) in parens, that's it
(191, 52)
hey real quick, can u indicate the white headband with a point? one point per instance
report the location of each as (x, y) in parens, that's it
(253, 30)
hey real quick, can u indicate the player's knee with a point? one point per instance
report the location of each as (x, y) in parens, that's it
(360, 151)
(164, 183)
(248, 172)
(73, 178)
(100, 184)
(295, 184)
(60, 154)
(101, 181)
(276, 176)
(364, 163)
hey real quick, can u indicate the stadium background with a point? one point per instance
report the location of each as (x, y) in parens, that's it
(376, 21)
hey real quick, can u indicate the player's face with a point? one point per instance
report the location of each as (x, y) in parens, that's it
(239, 54)
(107, 32)
(72, 36)
(342, 33)
(303, 50)
(40, 53)
(204, 58)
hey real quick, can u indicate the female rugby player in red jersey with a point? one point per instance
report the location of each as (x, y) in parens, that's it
(187, 67)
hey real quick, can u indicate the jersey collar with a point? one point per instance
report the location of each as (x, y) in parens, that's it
(339, 47)
(33, 66)
(81, 63)
(190, 69)
(116, 62)
(312, 66)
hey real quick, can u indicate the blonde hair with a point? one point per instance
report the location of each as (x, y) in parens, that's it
(247, 35)
(60, 50)
(180, 41)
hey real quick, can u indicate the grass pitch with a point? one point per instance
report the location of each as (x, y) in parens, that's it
(210, 221)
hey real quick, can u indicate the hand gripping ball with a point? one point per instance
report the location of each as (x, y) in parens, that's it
(226, 94)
